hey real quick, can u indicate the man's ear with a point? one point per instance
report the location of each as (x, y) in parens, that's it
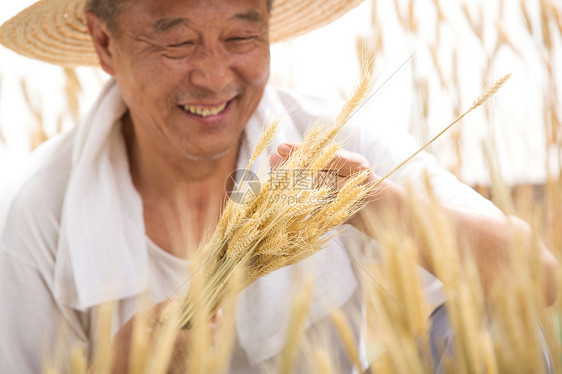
(101, 39)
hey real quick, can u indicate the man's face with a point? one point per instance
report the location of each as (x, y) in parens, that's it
(192, 72)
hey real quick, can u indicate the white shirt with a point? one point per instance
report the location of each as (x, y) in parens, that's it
(77, 186)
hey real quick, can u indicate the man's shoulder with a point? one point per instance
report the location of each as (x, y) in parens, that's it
(299, 102)
(32, 200)
(44, 170)
(297, 111)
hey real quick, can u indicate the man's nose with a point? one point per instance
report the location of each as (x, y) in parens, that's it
(212, 69)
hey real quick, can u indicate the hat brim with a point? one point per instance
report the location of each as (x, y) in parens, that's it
(55, 31)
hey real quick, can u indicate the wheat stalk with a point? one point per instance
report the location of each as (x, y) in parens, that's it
(486, 94)
(323, 363)
(72, 90)
(526, 17)
(301, 305)
(346, 335)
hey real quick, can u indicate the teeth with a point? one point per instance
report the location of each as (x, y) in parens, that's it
(205, 112)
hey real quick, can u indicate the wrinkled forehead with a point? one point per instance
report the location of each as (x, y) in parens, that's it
(163, 15)
(192, 7)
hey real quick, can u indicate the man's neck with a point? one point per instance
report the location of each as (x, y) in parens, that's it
(182, 198)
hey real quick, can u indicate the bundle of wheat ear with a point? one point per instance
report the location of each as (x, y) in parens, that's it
(256, 238)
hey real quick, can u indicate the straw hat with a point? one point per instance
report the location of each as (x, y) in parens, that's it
(55, 30)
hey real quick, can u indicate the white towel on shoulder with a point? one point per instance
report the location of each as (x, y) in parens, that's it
(101, 253)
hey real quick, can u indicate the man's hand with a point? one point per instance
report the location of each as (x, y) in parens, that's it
(344, 164)
(488, 237)
(122, 342)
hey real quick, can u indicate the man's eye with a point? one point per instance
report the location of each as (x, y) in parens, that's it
(241, 44)
(240, 38)
(182, 44)
(179, 50)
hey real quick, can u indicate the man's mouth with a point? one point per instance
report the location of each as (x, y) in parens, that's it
(205, 111)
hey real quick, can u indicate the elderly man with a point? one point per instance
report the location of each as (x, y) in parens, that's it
(98, 216)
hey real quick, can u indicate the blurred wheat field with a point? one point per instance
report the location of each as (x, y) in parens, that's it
(494, 336)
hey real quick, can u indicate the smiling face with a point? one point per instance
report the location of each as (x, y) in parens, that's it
(191, 72)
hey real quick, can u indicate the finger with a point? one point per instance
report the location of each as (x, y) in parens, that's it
(217, 318)
(156, 310)
(346, 163)
(285, 149)
(283, 152)
(180, 352)
(215, 326)
(162, 312)
(276, 161)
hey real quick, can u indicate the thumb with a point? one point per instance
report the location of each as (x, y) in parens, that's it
(215, 325)
(283, 153)
(276, 160)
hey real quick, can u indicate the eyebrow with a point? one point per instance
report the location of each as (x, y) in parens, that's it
(165, 24)
(252, 16)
